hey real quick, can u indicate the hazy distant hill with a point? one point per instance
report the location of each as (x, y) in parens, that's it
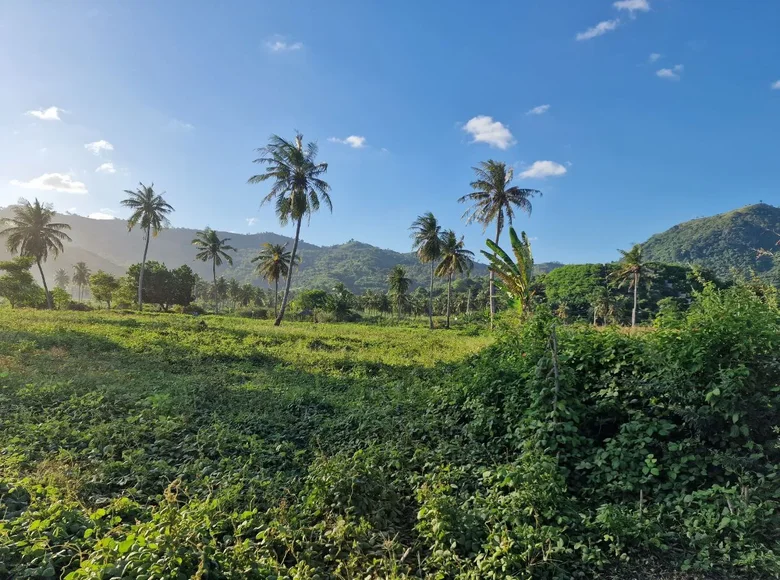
(721, 242)
(107, 245)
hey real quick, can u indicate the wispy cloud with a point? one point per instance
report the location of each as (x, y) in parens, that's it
(178, 125)
(542, 169)
(484, 129)
(540, 110)
(632, 6)
(50, 114)
(601, 28)
(670, 73)
(106, 168)
(97, 147)
(281, 44)
(104, 214)
(53, 182)
(251, 221)
(354, 141)
(776, 86)
(654, 56)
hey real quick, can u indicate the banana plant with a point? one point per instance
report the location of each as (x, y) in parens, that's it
(514, 276)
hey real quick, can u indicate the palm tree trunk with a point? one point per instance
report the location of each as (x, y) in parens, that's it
(45, 288)
(276, 296)
(141, 275)
(492, 284)
(449, 294)
(430, 299)
(214, 276)
(286, 295)
(636, 287)
(468, 302)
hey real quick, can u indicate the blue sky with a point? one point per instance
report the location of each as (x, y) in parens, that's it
(648, 112)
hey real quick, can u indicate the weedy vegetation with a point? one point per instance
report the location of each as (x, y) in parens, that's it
(169, 446)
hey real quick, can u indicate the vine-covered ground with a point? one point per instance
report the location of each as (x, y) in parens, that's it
(167, 446)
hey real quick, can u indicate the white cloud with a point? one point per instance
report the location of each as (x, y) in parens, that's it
(485, 130)
(542, 169)
(104, 214)
(354, 141)
(97, 147)
(654, 56)
(601, 28)
(280, 44)
(106, 168)
(670, 73)
(632, 5)
(540, 110)
(776, 86)
(177, 125)
(50, 114)
(53, 182)
(251, 221)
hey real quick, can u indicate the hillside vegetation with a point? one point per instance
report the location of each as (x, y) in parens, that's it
(724, 243)
(167, 446)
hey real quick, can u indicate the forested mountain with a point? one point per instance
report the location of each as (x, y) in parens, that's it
(107, 245)
(722, 243)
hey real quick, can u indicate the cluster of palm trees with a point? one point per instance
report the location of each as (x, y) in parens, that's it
(298, 190)
(80, 278)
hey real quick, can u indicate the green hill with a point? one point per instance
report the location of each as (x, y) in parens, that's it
(107, 245)
(724, 243)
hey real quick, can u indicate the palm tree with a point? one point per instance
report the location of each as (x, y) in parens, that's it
(425, 233)
(514, 276)
(399, 286)
(297, 189)
(211, 247)
(455, 259)
(61, 279)
(493, 200)
(274, 264)
(81, 275)
(32, 233)
(631, 267)
(149, 211)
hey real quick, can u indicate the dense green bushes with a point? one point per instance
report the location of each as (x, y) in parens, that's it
(151, 446)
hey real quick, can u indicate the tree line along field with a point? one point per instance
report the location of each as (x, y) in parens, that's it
(169, 446)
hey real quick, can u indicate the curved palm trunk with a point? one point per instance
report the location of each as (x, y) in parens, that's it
(214, 275)
(449, 295)
(276, 296)
(45, 288)
(286, 296)
(636, 287)
(141, 275)
(430, 298)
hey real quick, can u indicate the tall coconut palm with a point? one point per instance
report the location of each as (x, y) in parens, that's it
(149, 212)
(81, 274)
(61, 279)
(455, 259)
(297, 190)
(32, 233)
(425, 235)
(274, 264)
(398, 284)
(494, 200)
(215, 249)
(630, 269)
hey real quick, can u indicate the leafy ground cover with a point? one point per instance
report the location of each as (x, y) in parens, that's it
(167, 446)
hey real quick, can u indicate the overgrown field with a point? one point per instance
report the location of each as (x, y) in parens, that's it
(165, 446)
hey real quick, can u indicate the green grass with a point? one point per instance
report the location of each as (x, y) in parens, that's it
(102, 406)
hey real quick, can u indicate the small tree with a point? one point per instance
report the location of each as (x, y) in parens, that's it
(398, 287)
(514, 276)
(103, 286)
(17, 285)
(81, 274)
(455, 259)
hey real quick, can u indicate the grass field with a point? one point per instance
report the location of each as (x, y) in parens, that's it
(166, 446)
(100, 406)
